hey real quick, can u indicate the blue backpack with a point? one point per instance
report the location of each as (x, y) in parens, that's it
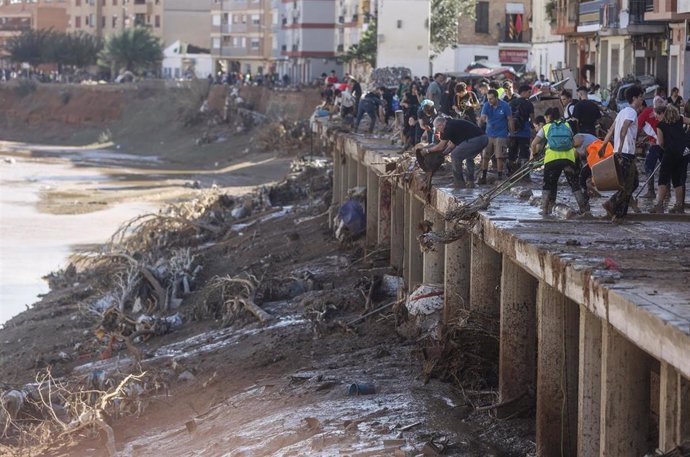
(559, 136)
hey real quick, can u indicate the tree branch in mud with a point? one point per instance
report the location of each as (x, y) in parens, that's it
(238, 293)
(460, 230)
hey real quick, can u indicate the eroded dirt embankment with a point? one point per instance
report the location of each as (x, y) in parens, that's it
(148, 118)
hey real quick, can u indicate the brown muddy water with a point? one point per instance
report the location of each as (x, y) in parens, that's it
(50, 206)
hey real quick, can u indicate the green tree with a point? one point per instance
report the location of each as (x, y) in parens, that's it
(445, 15)
(30, 47)
(82, 49)
(134, 49)
(365, 50)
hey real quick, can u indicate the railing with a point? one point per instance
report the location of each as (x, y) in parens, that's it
(638, 8)
(604, 13)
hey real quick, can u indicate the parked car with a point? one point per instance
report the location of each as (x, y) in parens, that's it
(621, 102)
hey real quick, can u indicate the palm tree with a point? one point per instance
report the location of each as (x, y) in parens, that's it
(134, 49)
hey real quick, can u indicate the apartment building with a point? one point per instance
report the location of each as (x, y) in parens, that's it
(499, 32)
(188, 21)
(105, 17)
(310, 29)
(677, 14)
(17, 16)
(403, 35)
(548, 42)
(241, 36)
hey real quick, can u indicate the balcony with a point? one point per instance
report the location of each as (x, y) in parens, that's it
(662, 10)
(513, 31)
(597, 15)
(638, 25)
(566, 12)
(229, 52)
(15, 24)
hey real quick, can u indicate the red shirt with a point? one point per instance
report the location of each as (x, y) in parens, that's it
(647, 116)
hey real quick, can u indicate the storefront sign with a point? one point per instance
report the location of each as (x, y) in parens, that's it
(513, 56)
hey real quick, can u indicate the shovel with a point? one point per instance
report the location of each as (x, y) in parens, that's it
(633, 201)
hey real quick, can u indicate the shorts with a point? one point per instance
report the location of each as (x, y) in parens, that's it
(497, 147)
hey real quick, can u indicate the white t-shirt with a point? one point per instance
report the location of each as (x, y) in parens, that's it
(626, 114)
(347, 100)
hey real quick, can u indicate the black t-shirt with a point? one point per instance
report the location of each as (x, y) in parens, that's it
(459, 130)
(674, 137)
(523, 109)
(587, 113)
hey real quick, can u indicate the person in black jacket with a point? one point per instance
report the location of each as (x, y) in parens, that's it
(370, 105)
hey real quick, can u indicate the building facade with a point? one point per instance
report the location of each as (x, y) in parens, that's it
(310, 44)
(106, 17)
(499, 32)
(612, 39)
(403, 35)
(548, 42)
(17, 16)
(188, 21)
(677, 14)
(241, 36)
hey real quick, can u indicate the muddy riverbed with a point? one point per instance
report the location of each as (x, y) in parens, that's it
(55, 201)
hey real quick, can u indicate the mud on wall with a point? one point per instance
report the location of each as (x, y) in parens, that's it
(79, 114)
(46, 103)
(292, 105)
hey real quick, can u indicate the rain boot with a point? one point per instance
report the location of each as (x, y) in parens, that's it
(650, 190)
(582, 202)
(547, 203)
(679, 207)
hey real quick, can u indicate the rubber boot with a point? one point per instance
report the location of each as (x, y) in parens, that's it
(679, 207)
(547, 204)
(482, 180)
(650, 191)
(582, 202)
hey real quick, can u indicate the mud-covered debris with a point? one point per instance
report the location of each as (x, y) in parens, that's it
(191, 426)
(357, 389)
(312, 423)
(350, 222)
(467, 352)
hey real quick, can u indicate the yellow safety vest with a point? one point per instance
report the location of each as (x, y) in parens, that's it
(550, 155)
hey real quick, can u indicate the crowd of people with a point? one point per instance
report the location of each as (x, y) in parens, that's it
(493, 123)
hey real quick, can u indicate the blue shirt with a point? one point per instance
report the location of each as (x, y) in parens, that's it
(497, 119)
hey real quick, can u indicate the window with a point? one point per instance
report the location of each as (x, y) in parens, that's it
(102, 22)
(255, 43)
(256, 19)
(478, 58)
(482, 14)
(77, 22)
(157, 21)
(114, 21)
